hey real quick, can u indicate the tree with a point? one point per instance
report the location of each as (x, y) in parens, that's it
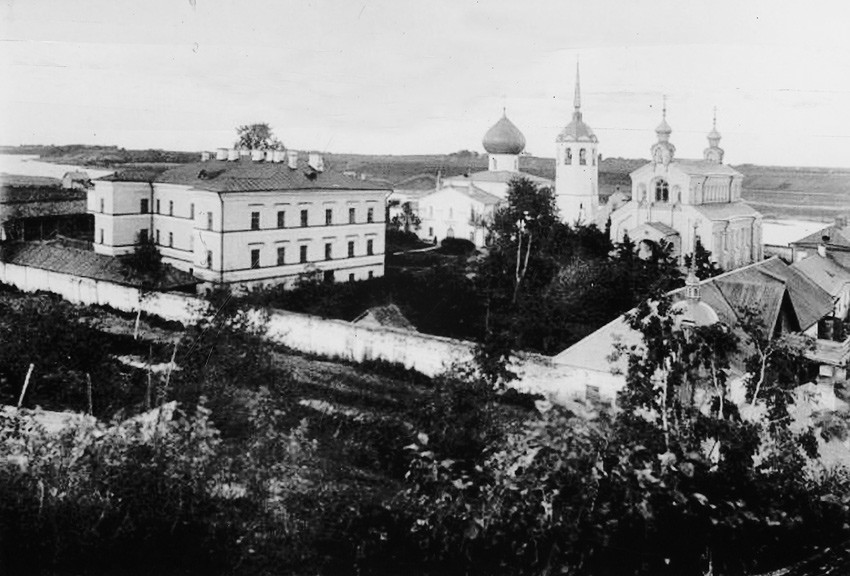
(145, 263)
(704, 266)
(257, 137)
(407, 220)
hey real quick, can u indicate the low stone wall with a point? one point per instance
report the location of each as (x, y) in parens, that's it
(428, 354)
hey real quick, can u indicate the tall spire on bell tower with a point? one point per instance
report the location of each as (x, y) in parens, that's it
(577, 97)
(576, 168)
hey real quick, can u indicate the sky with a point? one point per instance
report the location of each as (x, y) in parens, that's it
(429, 76)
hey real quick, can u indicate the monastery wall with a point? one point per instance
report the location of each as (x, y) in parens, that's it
(425, 353)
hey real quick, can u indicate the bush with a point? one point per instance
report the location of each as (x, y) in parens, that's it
(456, 246)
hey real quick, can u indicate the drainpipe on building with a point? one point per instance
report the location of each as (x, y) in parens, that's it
(221, 244)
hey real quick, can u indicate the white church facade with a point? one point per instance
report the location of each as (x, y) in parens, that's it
(684, 201)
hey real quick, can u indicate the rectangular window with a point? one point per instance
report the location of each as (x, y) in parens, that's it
(101, 235)
(255, 220)
(351, 216)
(303, 218)
(369, 247)
(157, 206)
(370, 215)
(143, 206)
(328, 251)
(255, 258)
(157, 236)
(329, 217)
(351, 249)
(101, 205)
(143, 235)
(351, 277)
(170, 240)
(209, 220)
(170, 208)
(281, 219)
(303, 254)
(192, 211)
(371, 274)
(191, 243)
(209, 258)
(281, 256)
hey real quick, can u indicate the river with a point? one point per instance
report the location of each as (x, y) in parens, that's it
(30, 165)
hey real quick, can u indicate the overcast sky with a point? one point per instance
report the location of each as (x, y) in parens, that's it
(429, 76)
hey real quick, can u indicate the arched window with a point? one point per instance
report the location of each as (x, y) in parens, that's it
(450, 233)
(568, 156)
(662, 191)
(582, 157)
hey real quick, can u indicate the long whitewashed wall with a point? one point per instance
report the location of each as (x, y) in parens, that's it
(428, 354)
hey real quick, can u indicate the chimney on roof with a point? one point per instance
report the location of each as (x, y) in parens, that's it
(221, 154)
(244, 152)
(232, 155)
(292, 159)
(205, 156)
(316, 162)
(257, 155)
(278, 155)
(269, 155)
(824, 240)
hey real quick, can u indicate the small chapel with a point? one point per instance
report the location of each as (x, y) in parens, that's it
(681, 202)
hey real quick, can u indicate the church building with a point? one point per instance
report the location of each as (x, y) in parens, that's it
(577, 168)
(461, 206)
(684, 201)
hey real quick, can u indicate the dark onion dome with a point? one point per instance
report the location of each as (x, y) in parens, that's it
(504, 138)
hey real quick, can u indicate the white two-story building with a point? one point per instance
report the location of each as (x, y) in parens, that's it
(246, 220)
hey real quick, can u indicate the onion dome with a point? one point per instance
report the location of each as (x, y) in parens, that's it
(504, 138)
(714, 135)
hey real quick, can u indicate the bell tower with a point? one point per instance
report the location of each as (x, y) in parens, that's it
(576, 168)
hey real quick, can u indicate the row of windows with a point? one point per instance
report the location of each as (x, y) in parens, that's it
(582, 157)
(255, 216)
(305, 220)
(302, 253)
(144, 207)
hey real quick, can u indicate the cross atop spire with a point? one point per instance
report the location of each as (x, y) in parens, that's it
(714, 120)
(577, 99)
(664, 107)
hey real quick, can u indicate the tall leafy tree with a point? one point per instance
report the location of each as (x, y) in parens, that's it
(257, 137)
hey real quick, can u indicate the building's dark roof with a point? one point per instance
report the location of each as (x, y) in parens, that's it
(473, 192)
(825, 272)
(23, 181)
(134, 175)
(389, 315)
(727, 210)
(839, 237)
(87, 264)
(245, 175)
(503, 176)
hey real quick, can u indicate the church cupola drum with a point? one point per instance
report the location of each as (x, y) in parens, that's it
(577, 170)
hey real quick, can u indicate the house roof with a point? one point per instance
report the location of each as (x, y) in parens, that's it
(697, 168)
(655, 229)
(245, 175)
(763, 285)
(389, 315)
(85, 263)
(727, 210)
(825, 272)
(23, 181)
(30, 195)
(503, 176)
(475, 193)
(838, 237)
